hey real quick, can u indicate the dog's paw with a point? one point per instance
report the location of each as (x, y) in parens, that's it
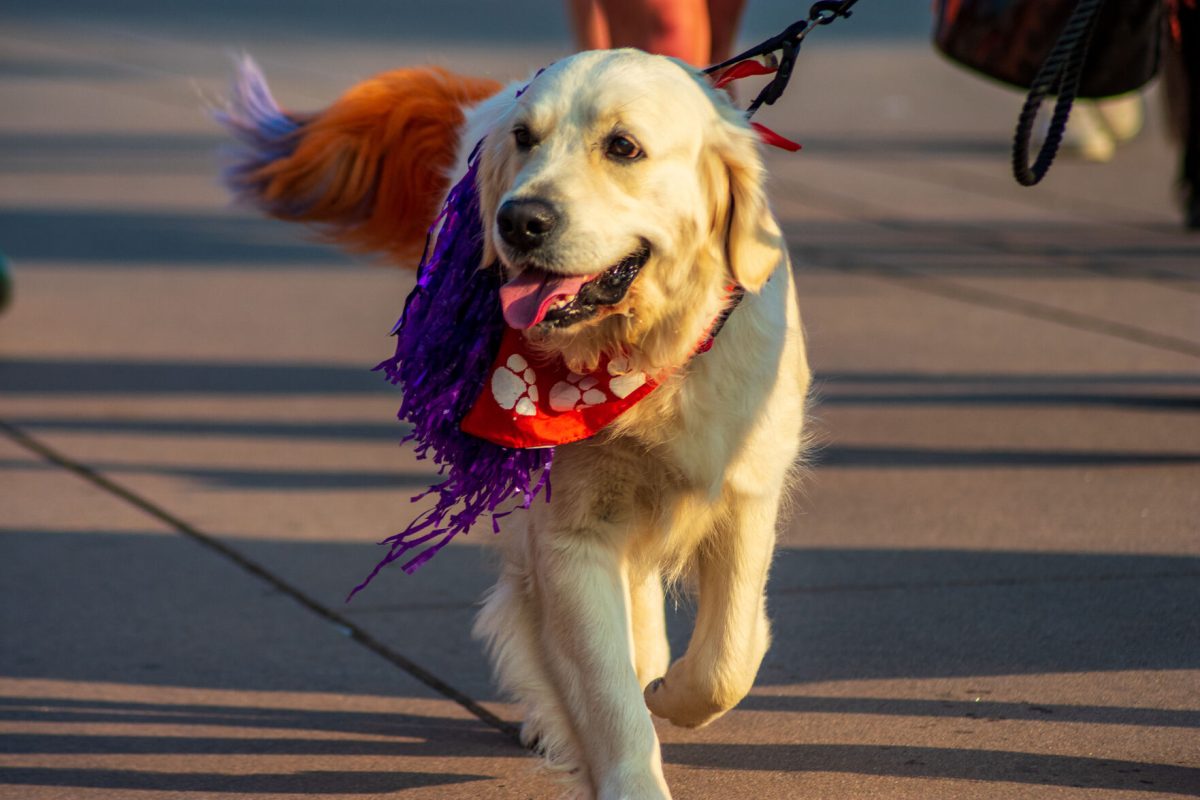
(514, 386)
(560, 758)
(688, 702)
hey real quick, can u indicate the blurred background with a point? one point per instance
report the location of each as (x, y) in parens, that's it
(988, 584)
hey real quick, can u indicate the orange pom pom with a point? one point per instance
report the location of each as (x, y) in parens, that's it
(371, 170)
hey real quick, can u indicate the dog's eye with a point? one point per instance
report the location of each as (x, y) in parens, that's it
(523, 138)
(624, 148)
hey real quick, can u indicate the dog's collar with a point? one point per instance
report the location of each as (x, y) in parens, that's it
(734, 294)
(531, 401)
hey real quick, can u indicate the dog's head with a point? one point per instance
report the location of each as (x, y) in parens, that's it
(622, 195)
(620, 192)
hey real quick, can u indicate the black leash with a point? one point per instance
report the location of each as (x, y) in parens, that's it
(787, 45)
(1059, 75)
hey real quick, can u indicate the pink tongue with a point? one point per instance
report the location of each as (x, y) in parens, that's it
(527, 297)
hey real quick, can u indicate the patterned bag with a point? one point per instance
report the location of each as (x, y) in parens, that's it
(1009, 40)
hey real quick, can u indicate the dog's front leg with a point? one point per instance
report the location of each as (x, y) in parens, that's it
(732, 632)
(583, 597)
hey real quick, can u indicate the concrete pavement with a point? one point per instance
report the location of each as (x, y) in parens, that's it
(988, 585)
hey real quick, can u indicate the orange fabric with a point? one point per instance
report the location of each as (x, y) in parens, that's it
(373, 167)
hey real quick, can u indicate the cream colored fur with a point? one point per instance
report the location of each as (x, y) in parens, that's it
(687, 484)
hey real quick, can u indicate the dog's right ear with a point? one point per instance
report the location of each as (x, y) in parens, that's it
(369, 171)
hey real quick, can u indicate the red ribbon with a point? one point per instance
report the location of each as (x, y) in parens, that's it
(772, 138)
(746, 69)
(742, 69)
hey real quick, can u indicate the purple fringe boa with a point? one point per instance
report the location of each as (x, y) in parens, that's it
(446, 340)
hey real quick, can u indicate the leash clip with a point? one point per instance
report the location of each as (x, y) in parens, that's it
(824, 12)
(787, 45)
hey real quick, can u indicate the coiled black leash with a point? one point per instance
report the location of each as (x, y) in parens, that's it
(787, 45)
(1059, 75)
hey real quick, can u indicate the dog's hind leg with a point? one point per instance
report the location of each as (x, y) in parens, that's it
(732, 632)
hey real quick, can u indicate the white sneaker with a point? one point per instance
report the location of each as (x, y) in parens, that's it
(1088, 135)
(1123, 115)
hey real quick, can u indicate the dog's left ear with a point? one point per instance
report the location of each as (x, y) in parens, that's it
(753, 242)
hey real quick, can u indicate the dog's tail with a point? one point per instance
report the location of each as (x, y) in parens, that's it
(369, 171)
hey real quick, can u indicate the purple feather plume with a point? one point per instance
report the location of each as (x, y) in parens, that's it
(264, 133)
(446, 340)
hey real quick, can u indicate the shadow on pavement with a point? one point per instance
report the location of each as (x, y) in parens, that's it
(50, 709)
(116, 238)
(257, 479)
(352, 782)
(348, 431)
(823, 458)
(838, 614)
(38, 376)
(975, 709)
(1169, 392)
(390, 735)
(58, 152)
(1142, 392)
(876, 614)
(851, 457)
(944, 762)
(121, 377)
(156, 610)
(1058, 251)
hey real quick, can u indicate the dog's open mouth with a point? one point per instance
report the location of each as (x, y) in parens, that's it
(538, 297)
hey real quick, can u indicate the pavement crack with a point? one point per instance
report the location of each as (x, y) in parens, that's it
(344, 624)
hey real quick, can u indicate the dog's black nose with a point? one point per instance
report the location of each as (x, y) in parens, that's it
(526, 224)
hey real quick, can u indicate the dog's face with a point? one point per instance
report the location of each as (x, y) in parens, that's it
(620, 192)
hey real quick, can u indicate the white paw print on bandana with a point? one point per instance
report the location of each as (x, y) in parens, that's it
(624, 382)
(513, 386)
(576, 392)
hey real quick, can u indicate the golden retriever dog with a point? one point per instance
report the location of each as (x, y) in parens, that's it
(605, 161)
